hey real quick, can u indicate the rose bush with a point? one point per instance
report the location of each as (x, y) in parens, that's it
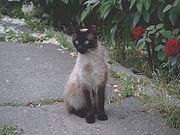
(172, 47)
(137, 32)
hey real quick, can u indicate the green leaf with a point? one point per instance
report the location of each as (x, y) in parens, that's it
(176, 3)
(161, 55)
(159, 26)
(147, 4)
(132, 4)
(173, 61)
(139, 6)
(157, 40)
(173, 15)
(81, 1)
(136, 18)
(113, 29)
(141, 44)
(151, 27)
(152, 31)
(160, 13)
(163, 40)
(159, 47)
(146, 16)
(65, 1)
(175, 31)
(105, 9)
(148, 40)
(118, 17)
(85, 13)
(168, 7)
(166, 34)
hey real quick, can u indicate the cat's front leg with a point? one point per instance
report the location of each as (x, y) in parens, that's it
(101, 115)
(90, 116)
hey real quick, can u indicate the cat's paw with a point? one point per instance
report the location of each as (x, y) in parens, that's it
(102, 116)
(90, 119)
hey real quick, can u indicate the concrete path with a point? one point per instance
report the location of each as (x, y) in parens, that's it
(32, 72)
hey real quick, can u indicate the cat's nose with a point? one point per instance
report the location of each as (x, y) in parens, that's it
(81, 49)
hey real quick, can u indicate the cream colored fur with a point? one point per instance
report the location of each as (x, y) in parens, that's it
(90, 70)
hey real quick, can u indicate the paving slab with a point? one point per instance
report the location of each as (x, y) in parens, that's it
(31, 72)
(125, 118)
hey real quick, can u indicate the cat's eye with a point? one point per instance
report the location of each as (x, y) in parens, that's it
(86, 42)
(76, 42)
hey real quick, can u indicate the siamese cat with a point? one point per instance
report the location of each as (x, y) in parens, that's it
(84, 93)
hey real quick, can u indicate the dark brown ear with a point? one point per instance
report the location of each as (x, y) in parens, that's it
(92, 29)
(74, 29)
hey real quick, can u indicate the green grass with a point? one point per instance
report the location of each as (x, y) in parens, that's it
(64, 42)
(115, 74)
(173, 119)
(36, 24)
(160, 102)
(46, 101)
(27, 38)
(8, 130)
(128, 84)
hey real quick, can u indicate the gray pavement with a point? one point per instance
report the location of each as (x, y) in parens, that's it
(30, 72)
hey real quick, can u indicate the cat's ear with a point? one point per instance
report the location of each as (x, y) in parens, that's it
(92, 29)
(74, 29)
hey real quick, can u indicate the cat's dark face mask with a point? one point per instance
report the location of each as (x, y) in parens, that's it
(84, 39)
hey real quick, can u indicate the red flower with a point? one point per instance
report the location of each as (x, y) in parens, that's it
(137, 32)
(172, 47)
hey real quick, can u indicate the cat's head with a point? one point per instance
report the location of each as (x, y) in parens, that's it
(84, 39)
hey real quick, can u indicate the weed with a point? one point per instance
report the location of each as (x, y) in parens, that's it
(27, 38)
(115, 74)
(129, 86)
(8, 130)
(160, 101)
(64, 42)
(36, 24)
(49, 33)
(173, 119)
(49, 101)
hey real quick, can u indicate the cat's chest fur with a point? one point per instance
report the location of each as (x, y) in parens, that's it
(91, 68)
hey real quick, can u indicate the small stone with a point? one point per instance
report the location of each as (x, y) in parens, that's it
(7, 81)
(115, 85)
(27, 59)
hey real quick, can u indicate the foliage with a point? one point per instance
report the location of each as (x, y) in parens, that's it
(124, 15)
(37, 24)
(162, 100)
(12, 9)
(173, 120)
(153, 41)
(8, 130)
(65, 43)
(128, 88)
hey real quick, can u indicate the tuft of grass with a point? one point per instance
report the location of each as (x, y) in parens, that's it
(8, 130)
(115, 74)
(9, 104)
(49, 101)
(46, 101)
(161, 101)
(64, 42)
(27, 38)
(36, 24)
(129, 86)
